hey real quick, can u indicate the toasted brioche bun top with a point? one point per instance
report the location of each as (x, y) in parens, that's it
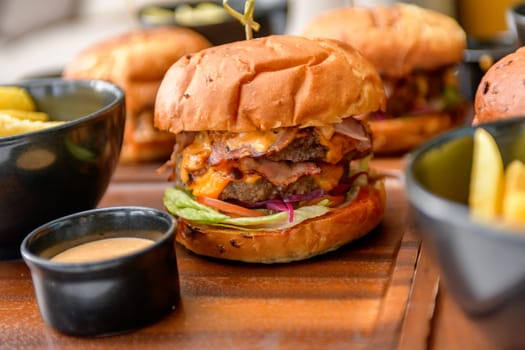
(136, 60)
(500, 91)
(266, 83)
(397, 39)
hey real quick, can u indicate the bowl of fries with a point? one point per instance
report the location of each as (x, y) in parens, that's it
(60, 142)
(467, 192)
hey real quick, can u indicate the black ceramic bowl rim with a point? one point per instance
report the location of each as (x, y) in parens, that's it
(96, 85)
(446, 210)
(518, 9)
(495, 49)
(97, 265)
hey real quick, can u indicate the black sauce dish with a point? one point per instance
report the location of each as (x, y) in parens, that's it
(108, 296)
(64, 169)
(482, 265)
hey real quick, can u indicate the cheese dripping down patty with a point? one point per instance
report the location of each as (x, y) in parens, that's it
(210, 161)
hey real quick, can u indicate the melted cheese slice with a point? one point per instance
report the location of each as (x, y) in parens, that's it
(329, 176)
(195, 156)
(214, 180)
(258, 140)
(337, 146)
(210, 184)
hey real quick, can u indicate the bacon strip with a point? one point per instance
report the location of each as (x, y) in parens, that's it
(352, 128)
(278, 173)
(355, 129)
(228, 147)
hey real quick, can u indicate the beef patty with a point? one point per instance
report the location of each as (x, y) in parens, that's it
(263, 190)
(302, 149)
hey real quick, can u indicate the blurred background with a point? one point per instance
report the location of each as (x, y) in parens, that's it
(37, 38)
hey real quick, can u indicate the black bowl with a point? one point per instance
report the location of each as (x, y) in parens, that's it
(477, 60)
(483, 266)
(61, 170)
(271, 16)
(109, 296)
(516, 21)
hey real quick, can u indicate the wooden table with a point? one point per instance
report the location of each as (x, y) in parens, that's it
(381, 292)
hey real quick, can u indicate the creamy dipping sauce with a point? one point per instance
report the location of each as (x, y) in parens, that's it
(102, 249)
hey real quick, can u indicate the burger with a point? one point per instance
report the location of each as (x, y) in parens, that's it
(416, 52)
(137, 61)
(499, 93)
(270, 164)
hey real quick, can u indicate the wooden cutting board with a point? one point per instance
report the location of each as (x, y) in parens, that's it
(353, 298)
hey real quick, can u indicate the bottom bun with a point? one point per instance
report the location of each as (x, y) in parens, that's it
(309, 238)
(398, 135)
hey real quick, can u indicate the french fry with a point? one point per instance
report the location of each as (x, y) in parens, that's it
(514, 194)
(13, 97)
(28, 115)
(18, 114)
(12, 126)
(486, 184)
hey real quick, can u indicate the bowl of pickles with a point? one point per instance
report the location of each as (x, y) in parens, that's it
(60, 142)
(467, 194)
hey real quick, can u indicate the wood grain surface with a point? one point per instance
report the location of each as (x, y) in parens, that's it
(376, 293)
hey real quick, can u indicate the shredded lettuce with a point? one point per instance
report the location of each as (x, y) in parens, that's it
(363, 166)
(181, 203)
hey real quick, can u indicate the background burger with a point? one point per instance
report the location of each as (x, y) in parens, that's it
(269, 164)
(416, 51)
(499, 94)
(137, 61)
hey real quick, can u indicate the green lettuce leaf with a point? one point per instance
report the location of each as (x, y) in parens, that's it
(181, 203)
